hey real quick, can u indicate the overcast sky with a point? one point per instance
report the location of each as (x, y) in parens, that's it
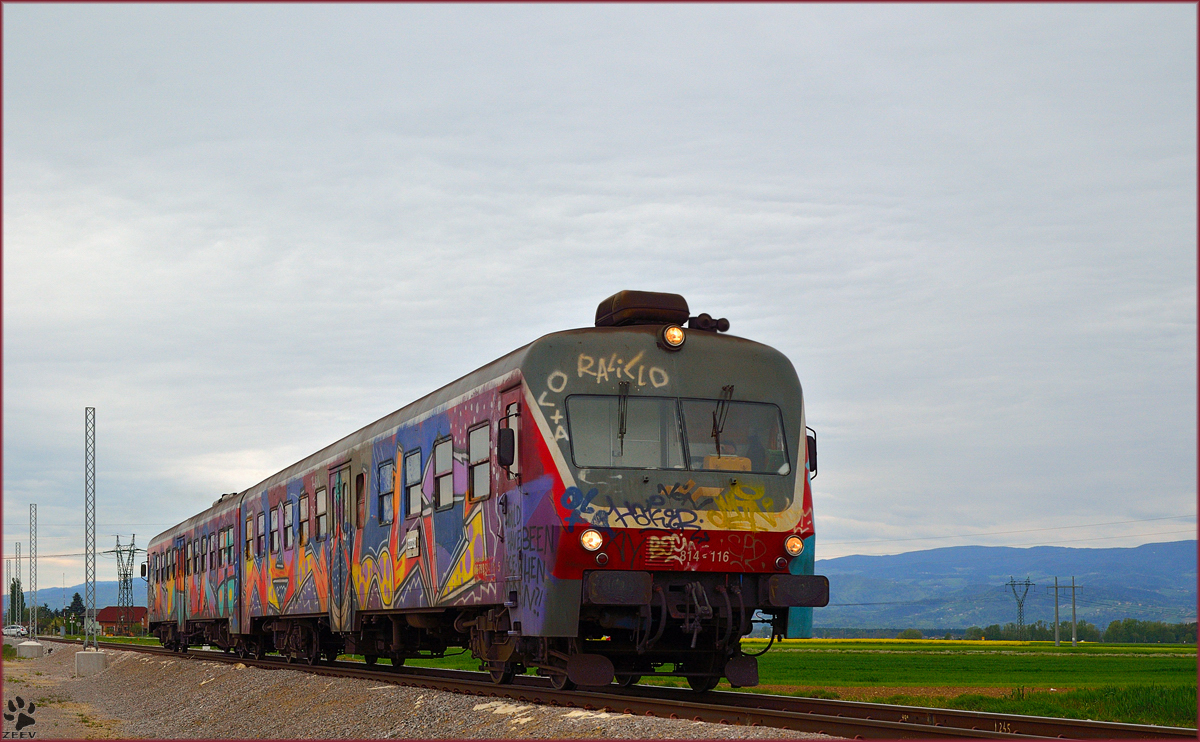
(241, 232)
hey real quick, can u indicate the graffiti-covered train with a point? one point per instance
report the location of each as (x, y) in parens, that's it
(602, 504)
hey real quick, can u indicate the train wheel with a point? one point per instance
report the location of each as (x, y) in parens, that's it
(627, 680)
(258, 649)
(561, 682)
(502, 673)
(241, 649)
(331, 655)
(370, 659)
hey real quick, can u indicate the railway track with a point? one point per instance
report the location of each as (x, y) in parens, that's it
(833, 717)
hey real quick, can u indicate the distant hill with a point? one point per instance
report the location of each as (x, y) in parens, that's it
(962, 586)
(106, 594)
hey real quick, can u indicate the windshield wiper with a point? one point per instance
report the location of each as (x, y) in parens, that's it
(622, 412)
(719, 415)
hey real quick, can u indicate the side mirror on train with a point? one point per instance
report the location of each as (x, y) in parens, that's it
(143, 570)
(506, 447)
(812, 453)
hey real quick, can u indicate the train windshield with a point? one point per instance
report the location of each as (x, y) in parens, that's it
(625, 432)
(734, 436)
(646, 433)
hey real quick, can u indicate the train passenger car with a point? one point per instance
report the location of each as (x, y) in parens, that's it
(602, 503)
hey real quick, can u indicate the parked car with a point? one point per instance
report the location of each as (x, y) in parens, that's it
(15, 630)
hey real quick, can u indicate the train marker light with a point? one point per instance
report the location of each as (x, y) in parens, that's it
(673, 336)
(793, 545)
(591, 539)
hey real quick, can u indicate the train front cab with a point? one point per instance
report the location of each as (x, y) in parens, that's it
(685, 506)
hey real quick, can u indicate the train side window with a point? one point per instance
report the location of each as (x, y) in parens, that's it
(203, 543)
(412, 482)
(289, 525)
(360, 500)
(443, 471)
(262, 534)
(191, 550)
(274, 530)
(212, 551)
(303, 520)
(512, 419)
(249, 536)
(479, 454)
(387, 485)
(322, 513)
(229, 545)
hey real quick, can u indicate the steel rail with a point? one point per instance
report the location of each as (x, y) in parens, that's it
(833, 717)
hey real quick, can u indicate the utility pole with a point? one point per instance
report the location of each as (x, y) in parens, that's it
(1012, 583)
(1056, 611)
(33, 611)
(9, 573)
(125, 557)
(90, 636)
(1074, 641)
(18, 593)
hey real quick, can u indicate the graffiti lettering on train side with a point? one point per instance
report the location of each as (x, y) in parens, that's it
(746, 548)
(743, 507)
(653, 514)
(635, 370)
(578, 505)
(673, 548)
(687, 492)
(555, 382)
(485, 571)
(539, 539)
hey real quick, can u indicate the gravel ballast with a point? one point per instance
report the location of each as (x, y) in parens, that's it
(149, 696)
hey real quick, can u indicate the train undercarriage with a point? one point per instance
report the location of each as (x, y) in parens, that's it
(631, 625)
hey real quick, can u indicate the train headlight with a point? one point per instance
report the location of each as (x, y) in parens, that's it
(793, 545)
(591, 539)
(673, 336)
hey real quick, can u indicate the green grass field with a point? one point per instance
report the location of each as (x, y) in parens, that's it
(893, 663)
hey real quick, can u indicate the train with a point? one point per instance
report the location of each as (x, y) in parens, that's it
(603, 504)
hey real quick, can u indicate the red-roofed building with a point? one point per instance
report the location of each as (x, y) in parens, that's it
(110, 619)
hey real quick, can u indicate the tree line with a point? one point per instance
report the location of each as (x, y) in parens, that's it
(1126, 631)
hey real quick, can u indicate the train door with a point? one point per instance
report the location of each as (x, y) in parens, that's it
(340, 544)
(511, 499)
(179, 562)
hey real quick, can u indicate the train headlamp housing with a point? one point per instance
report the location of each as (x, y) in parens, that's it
(591, 539)
(793, 545)
(673, 337)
